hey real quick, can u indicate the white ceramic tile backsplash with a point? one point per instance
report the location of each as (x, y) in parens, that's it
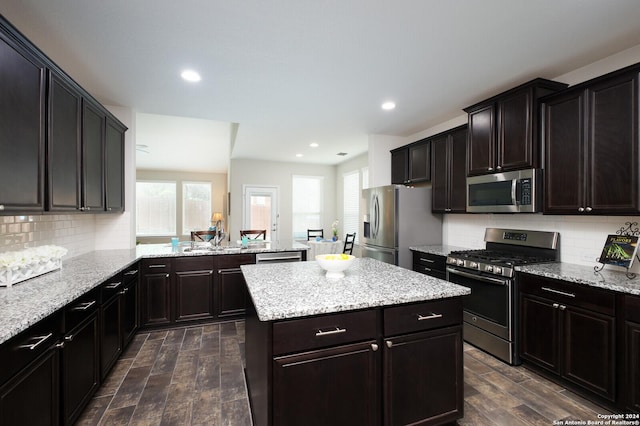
(581, 237)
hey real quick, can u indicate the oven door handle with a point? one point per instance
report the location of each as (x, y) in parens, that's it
(478, 277)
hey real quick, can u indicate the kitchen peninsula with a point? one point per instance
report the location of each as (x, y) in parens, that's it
(381, 344)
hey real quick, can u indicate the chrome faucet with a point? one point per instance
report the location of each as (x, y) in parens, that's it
(220, 235)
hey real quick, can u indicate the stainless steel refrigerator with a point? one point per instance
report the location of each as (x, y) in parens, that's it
(396, 218)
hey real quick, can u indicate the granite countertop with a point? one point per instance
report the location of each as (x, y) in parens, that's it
(439, 250)
(609, 279)
(289, 290)
(27, 302)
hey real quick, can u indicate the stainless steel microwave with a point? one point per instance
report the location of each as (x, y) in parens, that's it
(519, 191)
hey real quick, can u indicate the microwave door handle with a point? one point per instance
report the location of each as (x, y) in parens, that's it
(514, 191)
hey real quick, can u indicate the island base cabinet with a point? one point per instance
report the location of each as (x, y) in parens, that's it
(423, 378)
(336, 386)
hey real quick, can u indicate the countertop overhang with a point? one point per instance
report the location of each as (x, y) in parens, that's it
(291, 290)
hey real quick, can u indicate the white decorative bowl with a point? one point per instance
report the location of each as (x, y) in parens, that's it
(335, 264)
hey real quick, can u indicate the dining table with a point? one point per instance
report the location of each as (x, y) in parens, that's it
(323, 246)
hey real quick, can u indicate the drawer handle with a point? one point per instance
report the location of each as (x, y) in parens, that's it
(551, 290)
(422, 259)
(113, 286)
(426, 269)
(83, 306)
(428, 317)
(133, 272)
(41, 340)
(157, 266)
(389, 344)
(336, 330)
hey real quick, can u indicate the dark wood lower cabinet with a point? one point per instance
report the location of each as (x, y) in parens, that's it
(32, 397)
(422, 378)
(633, 366)
(155, 292)
(340, 387)
(80, 367)
(110, 334)
(130, 317)
(194, 295)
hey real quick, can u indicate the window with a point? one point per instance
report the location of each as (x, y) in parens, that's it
(196, 206)
(307, 203)
(155, 208)
(351, 202)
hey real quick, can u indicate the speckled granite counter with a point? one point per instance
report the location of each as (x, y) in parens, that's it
(25, 303)
(608, 278)
(289, 290)
(440, 250)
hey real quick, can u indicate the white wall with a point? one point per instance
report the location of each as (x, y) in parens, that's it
(279, 174)
(582, 237)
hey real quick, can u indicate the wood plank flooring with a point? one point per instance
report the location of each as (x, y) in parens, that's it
(194, 376)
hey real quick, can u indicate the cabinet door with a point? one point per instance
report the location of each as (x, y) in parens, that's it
(565, 179)
(129, 312)
(110, 334)
(93, 122)
(515, 145)
(194, 295)
(613, 141)
(80, 368)
(63, 145)
(422, 377)
(32, 397)
(114, 167)
(232, 292)
(399, 166)
(539, 332)
(482, 141)
(21, 129)
(155, 296)
(420, 162)
(589, 350)
(440, 175)
(458, 173)
(632, 354)
(336, 386)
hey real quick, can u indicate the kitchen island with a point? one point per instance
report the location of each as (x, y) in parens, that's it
(381, 345)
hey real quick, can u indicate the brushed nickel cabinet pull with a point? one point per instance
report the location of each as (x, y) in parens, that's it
(428, 317)
(336, 330)
(132, 272)
(374, 347)
(389, 344)
(422, 259)
(41, 340)
(113, 286)
(157, 266)
(83, 306)
(563, 293)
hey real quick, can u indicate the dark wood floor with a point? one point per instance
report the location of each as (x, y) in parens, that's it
(194, 376)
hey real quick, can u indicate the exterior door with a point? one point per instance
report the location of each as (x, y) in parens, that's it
(260, 210)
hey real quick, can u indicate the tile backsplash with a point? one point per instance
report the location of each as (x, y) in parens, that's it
(76, 233)
(581, 237)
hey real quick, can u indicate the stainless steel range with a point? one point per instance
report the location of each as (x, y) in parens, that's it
(490, 311)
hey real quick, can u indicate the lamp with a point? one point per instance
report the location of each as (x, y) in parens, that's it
(216, 217)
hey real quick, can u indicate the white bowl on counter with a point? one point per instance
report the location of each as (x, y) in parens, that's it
(335, 264)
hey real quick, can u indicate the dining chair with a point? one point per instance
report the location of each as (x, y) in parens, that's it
(313, 233)
(253, 234)
(202, 235)
(348, 243)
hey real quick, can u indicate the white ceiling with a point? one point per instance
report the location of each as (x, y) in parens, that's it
(291, 72)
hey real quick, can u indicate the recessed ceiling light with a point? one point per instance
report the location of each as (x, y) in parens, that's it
(298, 155)
(313, 145)
(190, 75)
(388, 105)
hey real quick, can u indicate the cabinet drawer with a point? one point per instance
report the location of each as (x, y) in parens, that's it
(80, 309)
(316, 332)
(632, 308)
(431, 261)
(234, 260)
(586, 297)
(156, 266)
(111, 287)
(131, 273)
(19, 351)
(422, 316)
(193, 263)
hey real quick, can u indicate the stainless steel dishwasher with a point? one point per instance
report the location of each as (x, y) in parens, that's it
(279, 257)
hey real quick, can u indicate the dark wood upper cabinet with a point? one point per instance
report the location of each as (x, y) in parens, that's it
(411, 163)
(93, 123)
(22, 118)
(448, 171)
(503, 130)
(63, 144)
(591, 145)
(114, 166)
